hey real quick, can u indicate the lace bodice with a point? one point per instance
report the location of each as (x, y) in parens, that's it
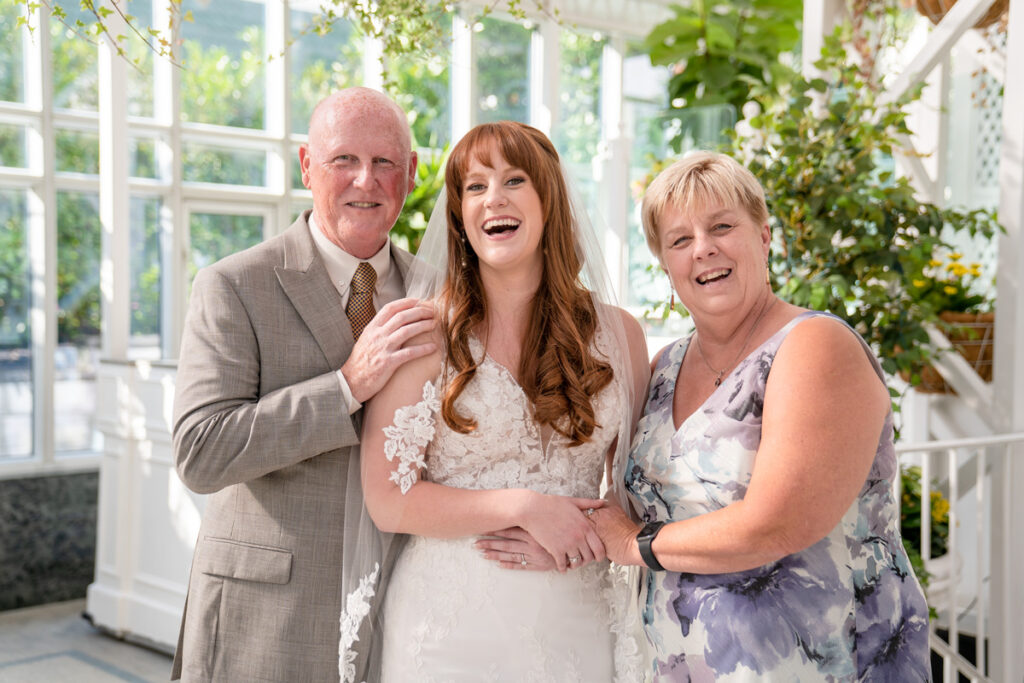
(543, 462)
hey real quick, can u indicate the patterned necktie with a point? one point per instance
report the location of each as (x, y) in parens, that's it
(360, 308)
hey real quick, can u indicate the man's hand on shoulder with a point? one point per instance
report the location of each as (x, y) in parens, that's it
(381, 348)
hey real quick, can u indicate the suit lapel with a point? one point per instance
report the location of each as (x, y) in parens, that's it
(305, 282)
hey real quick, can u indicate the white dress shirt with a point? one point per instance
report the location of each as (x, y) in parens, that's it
(341, 266)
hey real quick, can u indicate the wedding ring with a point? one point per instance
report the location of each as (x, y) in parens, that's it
(523, 559)
(574, 559)
(589, 511)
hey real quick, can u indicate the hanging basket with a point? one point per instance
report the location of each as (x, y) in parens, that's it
(972, 336)
(935, 10)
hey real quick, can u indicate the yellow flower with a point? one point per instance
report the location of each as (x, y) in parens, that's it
(955, 256)
(920, 283)
(949, 289)
(934, 262)
(940, 508)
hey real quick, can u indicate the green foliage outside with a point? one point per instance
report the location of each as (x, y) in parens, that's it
(850, 236)
(722, 53)
(78, 268)
(14, 270)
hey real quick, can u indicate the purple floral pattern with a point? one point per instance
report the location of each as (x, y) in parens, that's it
(848, 608)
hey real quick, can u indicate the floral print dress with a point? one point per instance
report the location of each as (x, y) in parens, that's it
(848, 608)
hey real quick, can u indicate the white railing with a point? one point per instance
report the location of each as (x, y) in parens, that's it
(963, 471)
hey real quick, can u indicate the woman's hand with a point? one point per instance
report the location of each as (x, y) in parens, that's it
(559, 525)
(618, 534)
(515, 548)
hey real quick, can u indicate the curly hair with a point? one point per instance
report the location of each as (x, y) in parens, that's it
(557, 370)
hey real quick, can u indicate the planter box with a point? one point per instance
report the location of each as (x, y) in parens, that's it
(972, 336)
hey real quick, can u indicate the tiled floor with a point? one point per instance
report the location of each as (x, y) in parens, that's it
(55, 644)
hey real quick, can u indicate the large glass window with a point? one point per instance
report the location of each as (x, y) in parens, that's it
(146, 274)
(15, 335)
(12, 83)
(216, 235)
(78, 321)
(423, 89)
(223, 52)
(577, 132)
(12, 145)
(320, 65)
(502, 71)
(644, 104)
(75, 76)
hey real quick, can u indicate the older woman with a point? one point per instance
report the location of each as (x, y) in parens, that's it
(764, 483)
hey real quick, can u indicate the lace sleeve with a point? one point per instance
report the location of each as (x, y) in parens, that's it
(407, 438)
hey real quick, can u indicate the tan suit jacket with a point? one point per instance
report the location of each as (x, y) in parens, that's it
(260, 424)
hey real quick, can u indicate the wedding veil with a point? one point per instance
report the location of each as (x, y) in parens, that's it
(367, 552)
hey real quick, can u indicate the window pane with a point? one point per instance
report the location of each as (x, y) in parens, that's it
(578, 130)
(140, 76)
(503, 71)
(145, 273)
(142, 158)
(216, 235)
(12, 74)
(12, 145)
(206, 164)
(78, 152)
(15, 350)
(296, 167)
(321, 64)
(644, 93)
(78, 321)
(423, 90)
(223, 81)
(75, 72)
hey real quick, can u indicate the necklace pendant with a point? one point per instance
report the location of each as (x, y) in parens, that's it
(718, 380)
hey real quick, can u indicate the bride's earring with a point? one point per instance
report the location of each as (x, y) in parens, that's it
(465, 249)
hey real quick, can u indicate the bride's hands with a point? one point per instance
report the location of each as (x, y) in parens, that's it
(515, 548)
(560, 526)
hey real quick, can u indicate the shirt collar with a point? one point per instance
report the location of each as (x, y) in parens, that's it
(341, 265)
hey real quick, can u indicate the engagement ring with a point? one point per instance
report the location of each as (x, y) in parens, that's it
(589, 511)
(575, 559)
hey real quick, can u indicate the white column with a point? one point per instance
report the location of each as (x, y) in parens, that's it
(115, 263)
(1007, 629)
(173, 222)
(42, 233)
(819, 18)
(614, 168)
(278, 108)
(544, 62)
(461, 72)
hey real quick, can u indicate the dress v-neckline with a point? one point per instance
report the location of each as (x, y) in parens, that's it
(686, 347)
(546, 434)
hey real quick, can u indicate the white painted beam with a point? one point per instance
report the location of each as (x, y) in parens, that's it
(1007, 656)
(115, 261)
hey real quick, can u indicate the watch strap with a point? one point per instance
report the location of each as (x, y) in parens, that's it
(644, 540)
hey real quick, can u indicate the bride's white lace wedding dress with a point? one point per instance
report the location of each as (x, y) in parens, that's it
(451, 615)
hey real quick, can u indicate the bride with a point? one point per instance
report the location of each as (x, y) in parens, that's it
(505, 432)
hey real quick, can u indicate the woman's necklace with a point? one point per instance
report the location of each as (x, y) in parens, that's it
(720, 373)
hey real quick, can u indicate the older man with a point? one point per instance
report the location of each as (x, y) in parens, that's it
(282, 344)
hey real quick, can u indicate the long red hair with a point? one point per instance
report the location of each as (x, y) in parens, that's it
(557, 370)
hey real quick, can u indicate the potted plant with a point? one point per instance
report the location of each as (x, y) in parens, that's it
(937, 574)
(951, 289)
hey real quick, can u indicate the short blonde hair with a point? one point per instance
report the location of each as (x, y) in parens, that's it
(698, 180)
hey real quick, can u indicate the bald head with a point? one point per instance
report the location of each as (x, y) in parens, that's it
(358, 103)
(360, 166)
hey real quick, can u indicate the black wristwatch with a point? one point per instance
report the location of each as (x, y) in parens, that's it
(644, 540)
